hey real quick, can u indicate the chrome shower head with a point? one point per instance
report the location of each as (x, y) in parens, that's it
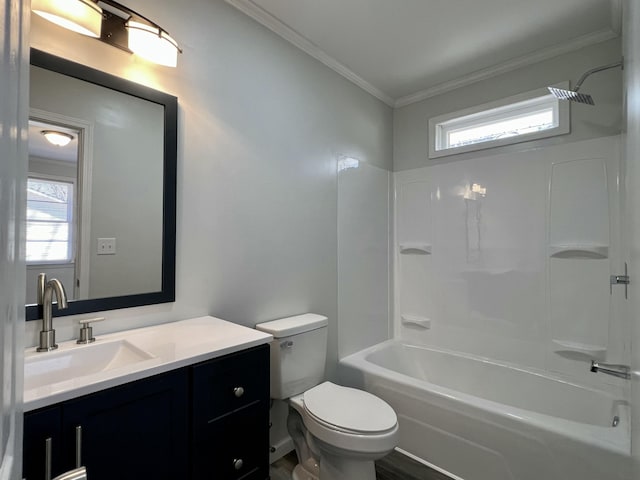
(571, 95)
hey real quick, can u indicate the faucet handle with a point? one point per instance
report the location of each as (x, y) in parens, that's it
(87, 321)
(86, 332)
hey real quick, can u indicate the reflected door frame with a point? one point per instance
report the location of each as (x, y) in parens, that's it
(83, 205)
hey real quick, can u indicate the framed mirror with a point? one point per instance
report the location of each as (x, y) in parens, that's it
(101, 191)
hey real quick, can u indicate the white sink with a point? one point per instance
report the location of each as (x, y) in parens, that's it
(72, 362)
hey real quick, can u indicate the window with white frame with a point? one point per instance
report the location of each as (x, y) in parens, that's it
(49, 220)
(529, 116)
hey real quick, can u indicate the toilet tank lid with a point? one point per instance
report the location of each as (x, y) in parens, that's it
(285, 327)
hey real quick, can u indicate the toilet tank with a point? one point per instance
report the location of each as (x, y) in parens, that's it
(298, 353)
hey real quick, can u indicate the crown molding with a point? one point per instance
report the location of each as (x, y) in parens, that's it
(510, 65)
(249, 8)
(272, 23)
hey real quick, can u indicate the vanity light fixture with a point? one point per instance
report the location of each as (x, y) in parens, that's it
(81, 16)
(152, 43)
(59, 139)
(115, 24)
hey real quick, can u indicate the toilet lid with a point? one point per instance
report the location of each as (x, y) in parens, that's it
(349, 408)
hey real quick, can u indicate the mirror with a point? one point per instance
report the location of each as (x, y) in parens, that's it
(101, 209)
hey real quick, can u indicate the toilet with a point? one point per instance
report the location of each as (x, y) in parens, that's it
(338, 432)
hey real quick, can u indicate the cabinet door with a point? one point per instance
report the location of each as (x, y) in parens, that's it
(132, 432)
(42, 428)
(234, 447)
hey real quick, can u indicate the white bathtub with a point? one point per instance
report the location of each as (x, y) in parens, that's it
(482, 420)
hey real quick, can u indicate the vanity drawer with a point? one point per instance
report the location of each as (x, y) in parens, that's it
(234, 447)
(225, 385)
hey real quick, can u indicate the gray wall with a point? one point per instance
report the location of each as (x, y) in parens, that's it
(411, 140)
(261, 126)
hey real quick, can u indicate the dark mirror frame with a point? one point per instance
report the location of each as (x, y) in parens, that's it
(170, 104)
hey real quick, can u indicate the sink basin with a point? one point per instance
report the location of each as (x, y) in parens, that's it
(71, 362)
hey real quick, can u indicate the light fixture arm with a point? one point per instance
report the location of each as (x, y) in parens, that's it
(596, 70)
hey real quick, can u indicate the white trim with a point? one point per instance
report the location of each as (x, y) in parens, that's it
(83, 190)
(37, 266)
(501, 68)
(285, 31)
(52, 162)
(479, 111)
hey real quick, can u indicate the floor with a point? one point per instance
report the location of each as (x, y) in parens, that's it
(394, 466)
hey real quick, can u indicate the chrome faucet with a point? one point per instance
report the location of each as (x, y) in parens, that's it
(46, 289)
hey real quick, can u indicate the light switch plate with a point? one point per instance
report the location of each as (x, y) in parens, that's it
(106, 246)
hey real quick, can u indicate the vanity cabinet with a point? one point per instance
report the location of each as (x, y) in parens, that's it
(230, 417)
(42, 442)
(137, 430)
(134, 431)
(209, 420)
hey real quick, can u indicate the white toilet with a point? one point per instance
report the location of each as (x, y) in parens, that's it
(337, 431)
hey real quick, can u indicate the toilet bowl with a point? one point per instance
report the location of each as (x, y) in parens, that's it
(338, 432)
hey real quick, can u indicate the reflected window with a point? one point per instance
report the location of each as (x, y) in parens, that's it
(49, 220)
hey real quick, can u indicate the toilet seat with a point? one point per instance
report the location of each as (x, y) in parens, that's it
(338, 431)
(349, 410)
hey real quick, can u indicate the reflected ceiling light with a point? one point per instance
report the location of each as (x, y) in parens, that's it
(59, 139)
(81, 16)
(152, 43)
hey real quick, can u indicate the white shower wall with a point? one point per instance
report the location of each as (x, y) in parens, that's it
(364, 238)
(518, 272)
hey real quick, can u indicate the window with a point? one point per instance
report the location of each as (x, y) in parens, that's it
(49, 221)
(529, 116)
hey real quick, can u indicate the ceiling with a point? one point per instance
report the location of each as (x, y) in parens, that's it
(407, 50)
(40, 147)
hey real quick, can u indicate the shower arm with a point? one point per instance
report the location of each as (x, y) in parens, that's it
(595, 70)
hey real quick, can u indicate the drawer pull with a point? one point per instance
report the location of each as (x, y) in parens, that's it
(238, 392)
(237, 463)
(47, 458)
(78, 446)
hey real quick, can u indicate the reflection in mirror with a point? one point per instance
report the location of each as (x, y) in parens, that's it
(101, 208)
(52, 206)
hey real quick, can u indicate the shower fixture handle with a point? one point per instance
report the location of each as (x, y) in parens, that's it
(620, 371)
(621, 280)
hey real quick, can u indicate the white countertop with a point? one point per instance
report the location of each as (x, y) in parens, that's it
(172, 345)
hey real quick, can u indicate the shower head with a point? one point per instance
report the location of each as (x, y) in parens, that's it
(573, 95)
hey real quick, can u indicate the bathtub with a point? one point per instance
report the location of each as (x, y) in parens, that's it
(477, 419)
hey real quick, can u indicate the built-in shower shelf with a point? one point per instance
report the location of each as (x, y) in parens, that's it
(579, 251)
(415, 248)
(416, 321)
(593, 350)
